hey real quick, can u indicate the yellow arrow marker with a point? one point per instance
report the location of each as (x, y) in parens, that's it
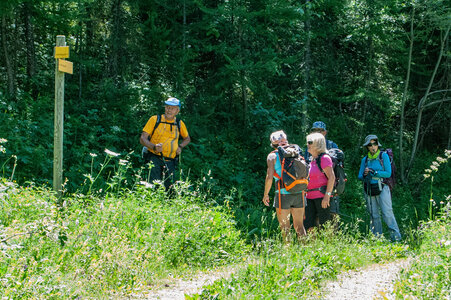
(65, 66)
(62, 52)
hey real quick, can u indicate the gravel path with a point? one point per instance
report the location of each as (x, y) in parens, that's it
(178, 288)
(373, 282)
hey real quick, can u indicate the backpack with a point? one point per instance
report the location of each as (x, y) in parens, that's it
(294, 169)
(390, 181)
(338, 158)
(157, 123)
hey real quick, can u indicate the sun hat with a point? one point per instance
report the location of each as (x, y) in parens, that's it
(369, 138)
(172, 102)
(319, 125)
(277, 136)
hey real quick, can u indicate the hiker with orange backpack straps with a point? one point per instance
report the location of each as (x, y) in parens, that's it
(376, 166)
(160, 138)
(291, 204)
(321, 183)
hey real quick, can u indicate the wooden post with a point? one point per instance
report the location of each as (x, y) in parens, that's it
(58, 124)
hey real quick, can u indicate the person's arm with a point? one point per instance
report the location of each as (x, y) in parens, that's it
(144, 140)
(330, 186)
(270, 161)
(386, 172)
(183, 144)
(145, 136)
(362, 169)
(185, 136)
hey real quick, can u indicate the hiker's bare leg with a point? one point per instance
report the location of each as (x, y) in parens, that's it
(284, 222)
(298, 220)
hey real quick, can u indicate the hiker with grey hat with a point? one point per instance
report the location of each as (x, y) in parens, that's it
(160, 138)
(377, 194)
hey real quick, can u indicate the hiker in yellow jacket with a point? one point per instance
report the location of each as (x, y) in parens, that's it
(160, 138)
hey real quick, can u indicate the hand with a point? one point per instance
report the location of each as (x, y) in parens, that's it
(179, 150)
(326, 201)
(266, 200)
(159, 147)
(366, 171)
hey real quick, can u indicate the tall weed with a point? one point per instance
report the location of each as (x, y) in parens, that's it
(122, 243)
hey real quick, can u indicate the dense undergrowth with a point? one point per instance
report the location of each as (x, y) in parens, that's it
(124, 237)
(429, 276)
(95, 247)
(126, 243)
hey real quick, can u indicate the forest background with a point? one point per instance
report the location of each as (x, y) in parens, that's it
(242, 70)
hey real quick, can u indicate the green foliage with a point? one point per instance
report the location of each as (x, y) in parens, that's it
(98, 246)
(429, 275)
(286, 272)
(241, 71)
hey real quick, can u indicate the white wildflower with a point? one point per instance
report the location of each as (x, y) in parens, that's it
(111, 153)
(123, 162)
(93, 154)
(146, 184)
(441, 160)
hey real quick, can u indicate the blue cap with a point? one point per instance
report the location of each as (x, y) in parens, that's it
(173, 102)
(319, 124)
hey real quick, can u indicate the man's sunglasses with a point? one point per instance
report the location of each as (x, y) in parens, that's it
(372, 144)
(317, 130)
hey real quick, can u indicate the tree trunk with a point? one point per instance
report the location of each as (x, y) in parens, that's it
(31, 53)
(449, 135)
(116, 39)
(423, 101)
(369, 72)
(307, 66)
(404, 99)
(9, 60)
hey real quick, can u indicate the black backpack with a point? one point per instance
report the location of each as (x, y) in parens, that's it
(294, 169)
(390, 181)
(338, 158)
(157, 123)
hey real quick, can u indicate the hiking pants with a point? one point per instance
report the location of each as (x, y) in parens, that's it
(163, 169)
(383, 203)
(313, 210)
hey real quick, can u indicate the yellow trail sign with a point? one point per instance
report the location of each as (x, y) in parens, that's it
(62, 52)
(65, 66)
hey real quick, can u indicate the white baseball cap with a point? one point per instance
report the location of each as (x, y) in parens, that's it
(277, 136)
(172, 101)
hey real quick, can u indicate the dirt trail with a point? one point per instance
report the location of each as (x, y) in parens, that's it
(179, 287)
(373, 282)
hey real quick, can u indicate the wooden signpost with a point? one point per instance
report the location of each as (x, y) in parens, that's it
(62, 66)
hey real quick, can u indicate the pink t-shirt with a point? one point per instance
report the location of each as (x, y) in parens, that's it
(317, 178)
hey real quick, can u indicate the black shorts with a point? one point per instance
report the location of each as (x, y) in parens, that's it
(289, 201)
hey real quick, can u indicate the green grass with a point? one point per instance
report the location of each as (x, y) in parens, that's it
(429, 276)
(129, 241)
(297, 271)
(115, 245)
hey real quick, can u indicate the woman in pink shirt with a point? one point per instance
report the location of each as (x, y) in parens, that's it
(321, 183)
